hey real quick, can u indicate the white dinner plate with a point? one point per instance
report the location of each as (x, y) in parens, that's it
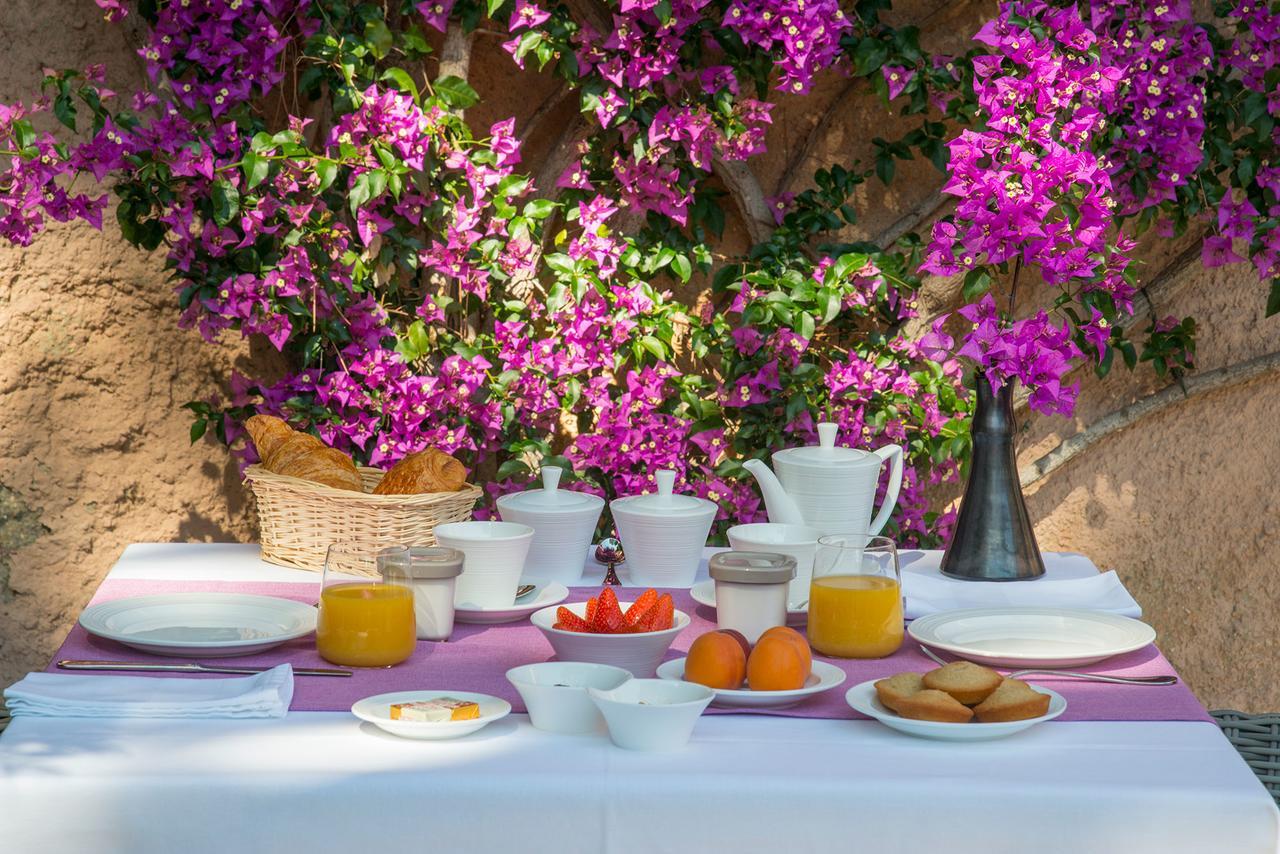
(200, 625)
(823, 677)
(862, 698)
(377, 711)
(547, 593)
(704, 593)
(1031, 637)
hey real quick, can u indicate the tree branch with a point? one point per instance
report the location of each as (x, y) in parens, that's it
(1168, 396)
(747, 192)
(455, 53)
(817, 132)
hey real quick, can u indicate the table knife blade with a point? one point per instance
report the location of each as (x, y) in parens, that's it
(189, 667)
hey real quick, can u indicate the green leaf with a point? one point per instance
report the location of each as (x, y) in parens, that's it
(455, 92)
(654, 346)
(402, 81)
(1273, 299)
(493, 6)
(976, 283)
(65, 110)
(513, 467)
(539, 208)
(326, 171)
(378, 36)
(255, 169)
(360, 193)
(226, 201)
(680, 264)
(197, 430)
(869, 55)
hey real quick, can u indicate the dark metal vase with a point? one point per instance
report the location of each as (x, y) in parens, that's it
(993, 539)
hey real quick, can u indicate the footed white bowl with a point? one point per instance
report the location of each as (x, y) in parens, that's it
(639, 653)
(652, 714)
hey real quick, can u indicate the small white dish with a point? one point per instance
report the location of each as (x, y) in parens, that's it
(377, 711)
(637, 653)
(555, 693)
(862, 698)
(704, 593)
(652, 714)
(1031, 637)
(823, 678)
(546, 594)
(200, 625)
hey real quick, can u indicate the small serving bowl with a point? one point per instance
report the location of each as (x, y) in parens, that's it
(555, 693)
(652, 714)
(638, 653)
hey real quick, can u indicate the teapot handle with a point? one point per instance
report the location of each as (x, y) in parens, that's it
(886, 453)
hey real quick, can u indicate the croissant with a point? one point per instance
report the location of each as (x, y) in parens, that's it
(285, 451)
(431, 470)
(267, 433)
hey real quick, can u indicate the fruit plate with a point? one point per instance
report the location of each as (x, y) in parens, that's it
(862, 698)
(1031, 637)
(377, 711)
(704, 593)
(822, 678)
(547, 593)
(200, 625)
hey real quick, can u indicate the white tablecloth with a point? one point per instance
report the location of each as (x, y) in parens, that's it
(321, 782)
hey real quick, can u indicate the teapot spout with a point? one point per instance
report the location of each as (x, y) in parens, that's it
(780, 506)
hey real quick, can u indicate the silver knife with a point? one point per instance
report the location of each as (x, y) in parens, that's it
(191, 667)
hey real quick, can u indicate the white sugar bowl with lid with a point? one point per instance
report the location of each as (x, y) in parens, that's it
(563, 523)
(663, 534)
(751, 590)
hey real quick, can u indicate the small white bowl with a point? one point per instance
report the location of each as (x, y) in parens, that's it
(652, 714)
(377, 711)
(638, 653)
(555, 693)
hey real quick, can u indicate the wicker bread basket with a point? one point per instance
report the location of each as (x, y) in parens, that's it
(300, 519)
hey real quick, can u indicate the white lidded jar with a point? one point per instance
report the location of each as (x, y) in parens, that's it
(563, 524)
(663, 534)
(751, 590)
(431, 572)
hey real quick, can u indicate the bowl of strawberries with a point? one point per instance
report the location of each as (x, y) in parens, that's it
(632, 635)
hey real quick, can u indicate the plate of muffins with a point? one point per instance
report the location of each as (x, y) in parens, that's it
(960, 701)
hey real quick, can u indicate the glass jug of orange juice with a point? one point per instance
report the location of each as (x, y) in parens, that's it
(855, 597)
(366, 612)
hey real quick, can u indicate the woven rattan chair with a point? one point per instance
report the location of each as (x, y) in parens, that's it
(1257, 737)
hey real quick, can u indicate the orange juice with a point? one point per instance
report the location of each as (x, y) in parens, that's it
(855, 616)
(364, 624)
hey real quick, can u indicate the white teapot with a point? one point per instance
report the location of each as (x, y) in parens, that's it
(827, 487)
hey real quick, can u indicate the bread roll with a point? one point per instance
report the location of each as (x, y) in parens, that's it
(431, 470)
(267, 433)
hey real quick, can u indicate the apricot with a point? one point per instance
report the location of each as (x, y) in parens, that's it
(800, 641)
(716, 660)
(740, 638)
(777, 664)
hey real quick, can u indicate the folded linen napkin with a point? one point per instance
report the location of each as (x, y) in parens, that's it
(927, 592)
(263, 695)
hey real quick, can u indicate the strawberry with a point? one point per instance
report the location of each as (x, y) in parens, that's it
(591, 609)
(647, 600)
(569, 621)
(664, 613)
(608, 617)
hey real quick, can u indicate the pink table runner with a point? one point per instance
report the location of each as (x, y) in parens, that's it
(478, 657)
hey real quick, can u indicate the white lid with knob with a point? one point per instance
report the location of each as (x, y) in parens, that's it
(665, 502)
(826, 452)
(550, 499)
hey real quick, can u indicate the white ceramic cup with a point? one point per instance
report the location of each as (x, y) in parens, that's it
(493, 558)
(555, 693)
(798, 541)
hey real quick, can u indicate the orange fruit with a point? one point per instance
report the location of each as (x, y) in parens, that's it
(777, 664)
(716, 660)
(800, 641)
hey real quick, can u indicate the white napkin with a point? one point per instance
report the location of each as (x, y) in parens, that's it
(263, 695)
(927, 592)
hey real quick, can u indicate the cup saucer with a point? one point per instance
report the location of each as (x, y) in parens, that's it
(546, 593)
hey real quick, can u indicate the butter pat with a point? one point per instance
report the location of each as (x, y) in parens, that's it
(436, 711)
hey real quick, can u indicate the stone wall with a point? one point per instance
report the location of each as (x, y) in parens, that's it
(94, 451)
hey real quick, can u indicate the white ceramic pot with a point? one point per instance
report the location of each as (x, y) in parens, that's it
(555, 693)
(563, 523)
(797, 541)
(493, 558)
(663, 534)
(652, 714)
(639, 654)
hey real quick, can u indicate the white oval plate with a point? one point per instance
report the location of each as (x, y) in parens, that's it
(377, 711)
(824, 677)
(862, 698)
(547, 593)
(200, 625)
(704, 593)
(1031, 637)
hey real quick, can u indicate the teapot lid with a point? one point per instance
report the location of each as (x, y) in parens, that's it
(550, 499)
(826, 452)
(663, 502)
